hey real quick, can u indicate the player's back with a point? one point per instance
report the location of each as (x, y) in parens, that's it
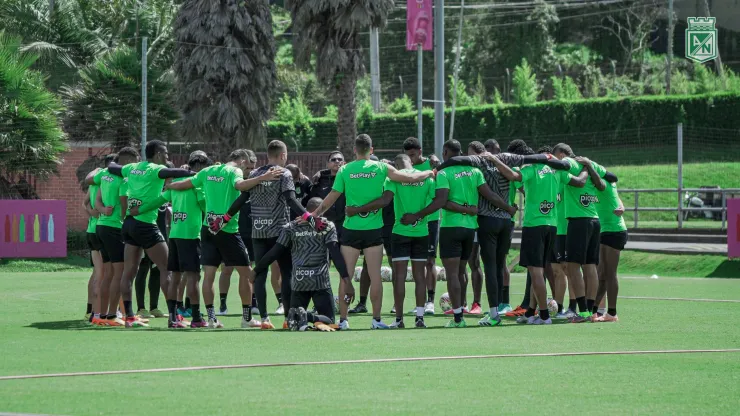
(463, 183)
(362, 181)
(581, 202)
(217, 183)
(144, 184)
(541, 184)
(269, 209)
(409, 198)
(110, 188)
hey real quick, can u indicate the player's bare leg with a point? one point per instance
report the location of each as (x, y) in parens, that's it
(374, 260)
(351, 255)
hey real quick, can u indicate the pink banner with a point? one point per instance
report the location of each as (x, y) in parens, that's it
(33, 228)
(419, 24)
(733, 228)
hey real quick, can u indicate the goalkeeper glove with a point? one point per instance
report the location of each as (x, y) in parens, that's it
(317, 223)
(216, 224)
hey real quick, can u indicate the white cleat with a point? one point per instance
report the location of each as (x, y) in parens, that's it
(222, 312)
(280, 310)
(344, 325)
(524, 320)
(429, 308)
(214, 323)
(397, 325)
(540, 321)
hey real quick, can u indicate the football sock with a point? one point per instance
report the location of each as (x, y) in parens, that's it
(179, 305)
(363, 299)
(196, 312)
(529, 313)
(572, 305)
(590, 304)
(399, 319)
(595, 310)
(493, 312)
(505, 294)
(247, 312)
(419, 311)
(254, 300)
(458, 314)
(211, 313)
(187, 303)
(612, 312)
(377, 319)
(279, 297)
(430, 296)
(223, 299)
(581, 301)
(89, 308)
(560, 308)
(128, 309)
(544, 314)
(171, 310)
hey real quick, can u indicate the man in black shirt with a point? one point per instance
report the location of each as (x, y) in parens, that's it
(302, 188)
(321, 185)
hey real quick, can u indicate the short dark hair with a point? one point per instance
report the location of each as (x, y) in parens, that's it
(251, 156)
(238, 154)
(411, 143)
(153, 147)
(363, 143)
(127, 151)
(453, 145)
(197, 152)
(335, 152)
(313, 203)
(275, 147)
(519, 147)
(491, 143)
(544, 149)
(112, 157)
(294, 169)
(562, 147)
(477, 147)
(198, 160)
(402, 160)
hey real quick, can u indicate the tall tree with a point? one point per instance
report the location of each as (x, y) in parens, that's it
(31, 138)
(225, 70)
(331, 29)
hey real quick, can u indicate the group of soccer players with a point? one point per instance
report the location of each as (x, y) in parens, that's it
(248, 218)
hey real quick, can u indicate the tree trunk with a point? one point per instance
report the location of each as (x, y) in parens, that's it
(718, 59)
(346, 114)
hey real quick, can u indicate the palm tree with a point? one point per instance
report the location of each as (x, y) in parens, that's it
(105, 105)
(225, 70)
(31, 138)
(331, 29)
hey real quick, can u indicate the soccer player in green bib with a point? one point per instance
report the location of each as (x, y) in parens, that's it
(93, 243)
(140, 232)
(412, 149)
(613, 239)
(362, 181)
(188, 207)
(111, 203)
(408, 242)
(457, 191)
(582, 239)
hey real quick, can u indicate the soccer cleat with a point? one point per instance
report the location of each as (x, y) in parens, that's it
(453, 324)
(581, 318)
(99, 322)
(420, 324)
(176, 325)
(519, 311)
(397, 325)
(570, 313)
(280, 310)
(143, 313)
(223, 310)
(504, 308)
(476, 310)
(524, 320)
(266, 324)
(139, 318)
(609, 318)
(449, 312)
(159, 314)
(119, 315)
(214, 323)
(540, 321)
(596, 317)
(248, 324)
(429, 308)
(183, 320)
(561, 315)
(135, 323)
(488, 321)
(199, 324)
(393, 309)
(185, 313)
(115, 322)
(285, 324)
(344, 325)
(88, 316)
(359, 308)
(379, 325)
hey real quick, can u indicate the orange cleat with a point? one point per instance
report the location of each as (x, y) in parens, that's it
(519, 311)
(285, 325)
(266, 324)
(99, 322)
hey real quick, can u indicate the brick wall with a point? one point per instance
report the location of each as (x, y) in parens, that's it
(66, 186)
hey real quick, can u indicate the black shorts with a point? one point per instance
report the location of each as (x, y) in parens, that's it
(93, 242)
(184, 255)
(614, 239)
(141, 234)
(558, 252)
(247, 240)
(323, 301)
(112, 242)
(456, 242)
(226, 248)
(582, 242)
(362, 239)
(433, 238)
(409, 248)
(387, 239)
(537, 245)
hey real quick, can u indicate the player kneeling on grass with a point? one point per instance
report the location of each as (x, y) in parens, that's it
(310, 250)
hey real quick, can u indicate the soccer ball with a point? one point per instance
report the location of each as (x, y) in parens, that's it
(552, 306)
(445, 303)
(409, 275)
(358, 272)
(386, 274)
(441, 275)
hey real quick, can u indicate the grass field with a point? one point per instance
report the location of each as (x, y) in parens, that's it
(43, 333)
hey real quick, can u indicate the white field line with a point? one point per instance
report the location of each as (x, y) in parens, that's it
(377, 360)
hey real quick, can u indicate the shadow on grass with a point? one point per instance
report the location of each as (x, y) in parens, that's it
(728, 269)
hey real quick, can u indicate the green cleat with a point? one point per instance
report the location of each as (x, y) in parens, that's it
(157, 313)
(581, 318)
(143, 313)
(453, 324)
(504, 308)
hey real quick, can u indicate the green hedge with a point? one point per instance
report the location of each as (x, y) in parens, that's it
(593, 124)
